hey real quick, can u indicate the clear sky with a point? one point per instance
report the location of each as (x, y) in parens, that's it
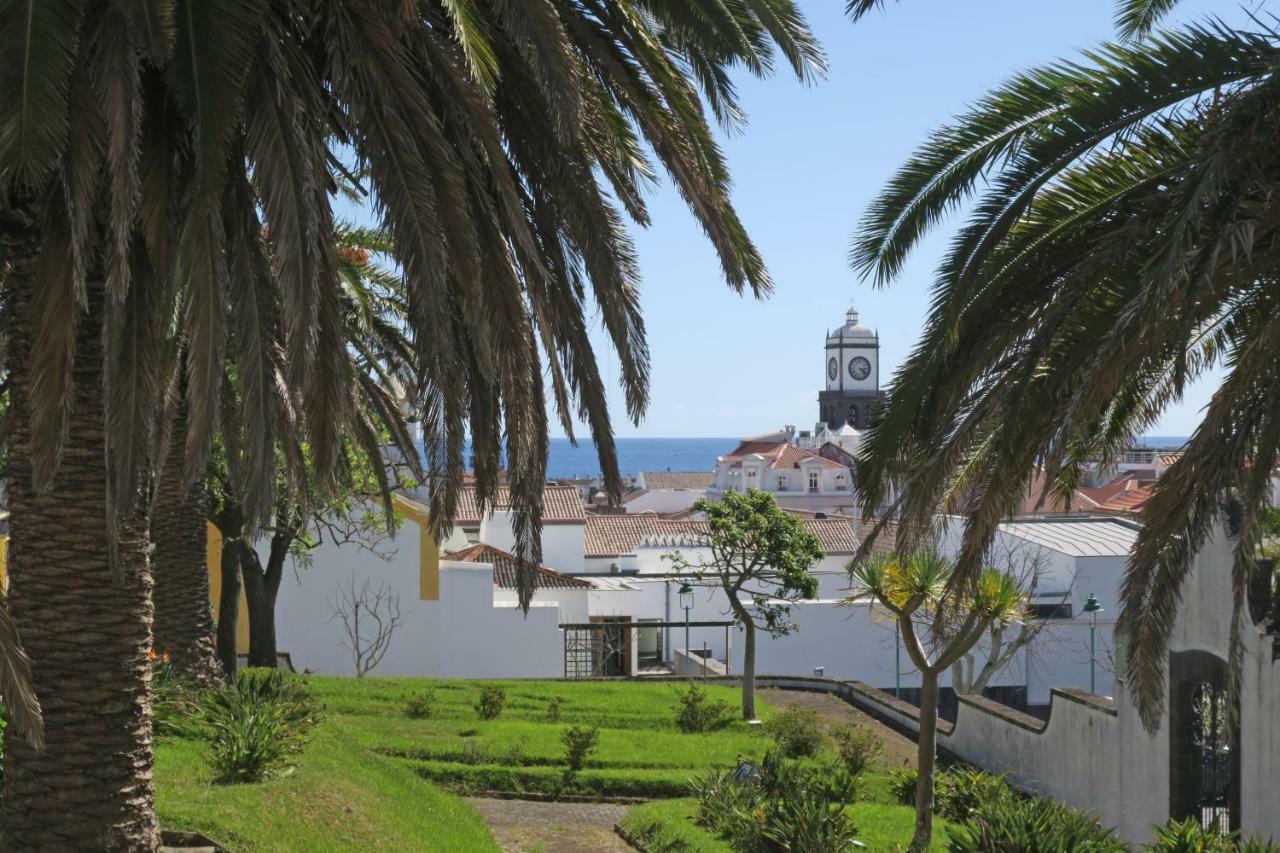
(805, 167)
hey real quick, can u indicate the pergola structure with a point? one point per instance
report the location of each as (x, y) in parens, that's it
(592, 649)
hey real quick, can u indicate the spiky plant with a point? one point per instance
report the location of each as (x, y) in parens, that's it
(939, 622)
(1121, 244)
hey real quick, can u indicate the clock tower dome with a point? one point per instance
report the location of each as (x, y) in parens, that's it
(852, 369)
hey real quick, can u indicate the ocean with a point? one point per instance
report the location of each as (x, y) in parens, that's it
(638, 454)
(683, 454)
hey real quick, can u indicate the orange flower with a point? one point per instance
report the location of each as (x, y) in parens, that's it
(151, 655)
(165, 657)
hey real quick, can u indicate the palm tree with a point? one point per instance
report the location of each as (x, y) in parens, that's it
(1120, 245)
(939, 625)
(146, 147)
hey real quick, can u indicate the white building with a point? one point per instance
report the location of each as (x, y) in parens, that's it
(852, 365)
(797, 478)
(666, 491)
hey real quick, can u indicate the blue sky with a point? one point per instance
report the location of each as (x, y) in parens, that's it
(805, 167)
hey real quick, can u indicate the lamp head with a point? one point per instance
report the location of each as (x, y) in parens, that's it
(1092, 605)
(686, 596)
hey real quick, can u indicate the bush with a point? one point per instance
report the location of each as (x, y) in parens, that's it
(797, 731)
(1188, 836)
(256, 725)
(491, 701)
(783, 807)
(858, 746)
(1032, 826)
(962, 791)
(902, 785)
(698, 713)
(421, 706)
(554, 706)
(579, 742)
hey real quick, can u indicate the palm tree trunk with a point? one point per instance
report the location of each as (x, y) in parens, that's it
(88, 634)
(926, 747)
(184, 622)
(749, 672)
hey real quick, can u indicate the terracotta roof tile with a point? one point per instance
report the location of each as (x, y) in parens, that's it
(677, 479)
(614, 535)
(781, 455)
(560, 505)
(505, 565)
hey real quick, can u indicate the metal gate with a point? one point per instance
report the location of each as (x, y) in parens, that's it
(1204, 777)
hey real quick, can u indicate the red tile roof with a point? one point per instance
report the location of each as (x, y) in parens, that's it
(560, 505)
(677, 479)
(781, 455)
(614, 535)
(505, 565)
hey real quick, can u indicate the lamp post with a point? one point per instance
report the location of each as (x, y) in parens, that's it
(686, 601)
(1093, 607)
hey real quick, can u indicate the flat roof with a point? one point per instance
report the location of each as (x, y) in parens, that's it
(1077, 537)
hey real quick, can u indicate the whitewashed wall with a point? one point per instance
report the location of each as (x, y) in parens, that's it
(461, 635)
(662, 500)
(561, 543)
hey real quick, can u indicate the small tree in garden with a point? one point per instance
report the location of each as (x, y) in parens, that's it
(369, 617)
(940, 623)
(760, 557)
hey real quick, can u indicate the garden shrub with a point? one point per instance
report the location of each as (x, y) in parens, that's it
(579, 742)
(961, 791)
(421, 706)
(797, 731)
(1032, 826)
(1188, 836)
(784, 807)
(490, 702)
(256, 725)
(699, 713)
(554, 706)
(902, 785)
(858, 746)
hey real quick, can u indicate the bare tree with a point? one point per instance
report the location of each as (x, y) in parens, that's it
(369, 617)
(1029, 567)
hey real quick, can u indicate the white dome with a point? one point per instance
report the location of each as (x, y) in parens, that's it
(852, 329)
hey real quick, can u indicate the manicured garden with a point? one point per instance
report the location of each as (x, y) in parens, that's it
(390, 757)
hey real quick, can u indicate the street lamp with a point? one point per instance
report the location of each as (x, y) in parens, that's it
(686, 601)
(1093, 607)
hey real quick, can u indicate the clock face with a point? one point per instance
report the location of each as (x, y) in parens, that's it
(859, 368)
(833, 368)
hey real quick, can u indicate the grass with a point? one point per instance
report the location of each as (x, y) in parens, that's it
(340, 797)
(641, 752)
(670, 825)
(372, 778)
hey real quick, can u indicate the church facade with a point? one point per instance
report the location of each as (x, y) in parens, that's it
(852, 363)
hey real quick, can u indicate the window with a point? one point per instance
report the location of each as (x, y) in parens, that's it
(751, 477)
(782, 482)
(813, 481)
(839, 481)
(1051, 611)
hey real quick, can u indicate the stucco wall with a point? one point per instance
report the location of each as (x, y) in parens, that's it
(561, 543)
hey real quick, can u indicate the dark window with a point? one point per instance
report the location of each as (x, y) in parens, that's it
(1051, 611)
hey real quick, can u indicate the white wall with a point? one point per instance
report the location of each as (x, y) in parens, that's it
(461, 635)
(562, 544)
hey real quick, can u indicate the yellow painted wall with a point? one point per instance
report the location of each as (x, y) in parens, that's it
(428, 549)
(4, 564)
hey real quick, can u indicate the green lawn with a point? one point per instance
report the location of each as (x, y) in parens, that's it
(374, 779)
(670, 825)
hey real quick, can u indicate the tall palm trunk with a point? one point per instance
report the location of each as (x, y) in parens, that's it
(87, 634)
(184, 622)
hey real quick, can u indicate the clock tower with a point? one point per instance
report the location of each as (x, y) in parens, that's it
(852, 364)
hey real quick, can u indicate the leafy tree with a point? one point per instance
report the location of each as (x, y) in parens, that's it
(760, 558)
(1117, 249)
(939, 624)
(146, 150)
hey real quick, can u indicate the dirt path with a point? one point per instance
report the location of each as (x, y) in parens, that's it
(899, 749)
(525, 826)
